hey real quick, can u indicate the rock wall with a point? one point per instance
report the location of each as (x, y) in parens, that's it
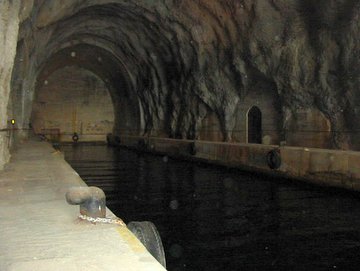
(183, 65)
(9, 25)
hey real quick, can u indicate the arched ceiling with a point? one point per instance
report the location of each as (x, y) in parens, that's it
(181, 56)
(93, 58)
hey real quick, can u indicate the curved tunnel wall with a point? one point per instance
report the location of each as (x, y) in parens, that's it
(189, 65)
(107, 68)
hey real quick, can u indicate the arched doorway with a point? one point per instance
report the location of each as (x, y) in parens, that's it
(254, 124)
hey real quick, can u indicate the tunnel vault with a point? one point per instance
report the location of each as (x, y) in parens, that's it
(72, 100)
(107, 68)
(184, 67)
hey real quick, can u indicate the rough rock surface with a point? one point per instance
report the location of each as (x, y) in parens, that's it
(9, 25)
(177, 60)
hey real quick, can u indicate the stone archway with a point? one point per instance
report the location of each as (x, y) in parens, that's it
(254, 125)
(73, 100)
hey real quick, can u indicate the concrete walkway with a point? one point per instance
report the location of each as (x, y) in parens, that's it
(40, 231)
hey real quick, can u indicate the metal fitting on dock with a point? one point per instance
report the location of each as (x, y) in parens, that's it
(273, 159)
(192, 148)
(75, 137)
(113, 140)
(91, 199)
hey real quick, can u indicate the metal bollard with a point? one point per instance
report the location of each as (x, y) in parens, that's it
(91, 199)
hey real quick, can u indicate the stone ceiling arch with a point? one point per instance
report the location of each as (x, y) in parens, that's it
(105, 66)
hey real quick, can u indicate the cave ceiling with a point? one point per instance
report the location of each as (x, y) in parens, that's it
(181, 57)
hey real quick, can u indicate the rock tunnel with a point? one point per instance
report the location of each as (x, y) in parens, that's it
(182, 69)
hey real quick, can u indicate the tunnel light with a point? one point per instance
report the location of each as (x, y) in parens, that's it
(73, 54)
(46, 82)
(13, 122)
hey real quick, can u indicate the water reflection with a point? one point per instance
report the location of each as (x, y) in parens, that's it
(220, 219)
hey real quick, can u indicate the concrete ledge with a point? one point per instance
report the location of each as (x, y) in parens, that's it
(40, 231)
(320, 166)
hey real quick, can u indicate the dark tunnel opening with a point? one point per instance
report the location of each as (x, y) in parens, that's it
(107, 74)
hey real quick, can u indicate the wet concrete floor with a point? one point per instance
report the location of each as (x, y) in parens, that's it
(213, 218)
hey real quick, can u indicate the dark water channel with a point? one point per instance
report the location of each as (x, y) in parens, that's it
(213, 218)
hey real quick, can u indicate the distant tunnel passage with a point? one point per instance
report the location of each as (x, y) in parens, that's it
(84, 89)
(73, 100)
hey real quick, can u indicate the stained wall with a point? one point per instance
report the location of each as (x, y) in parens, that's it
(73, 100)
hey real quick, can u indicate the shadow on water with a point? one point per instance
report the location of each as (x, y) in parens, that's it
(213, 218)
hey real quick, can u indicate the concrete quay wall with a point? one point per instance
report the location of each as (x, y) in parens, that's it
(320, 166)
(40, 231)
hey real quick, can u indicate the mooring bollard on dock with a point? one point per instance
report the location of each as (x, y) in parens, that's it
(92, 201)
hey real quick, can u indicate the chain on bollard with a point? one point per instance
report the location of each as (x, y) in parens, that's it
(92, 203)
(93, 209)
(108, 220)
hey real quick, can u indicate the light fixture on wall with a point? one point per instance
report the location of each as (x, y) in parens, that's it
(12, 121)
(73, 54)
